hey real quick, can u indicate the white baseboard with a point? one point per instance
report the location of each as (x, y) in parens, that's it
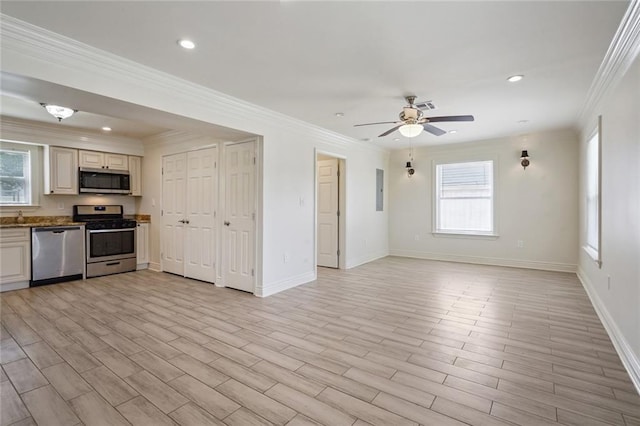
(277, 287)
(14, 286)
(365, 259)
(494, 261)
(155, 266)
(630, 360)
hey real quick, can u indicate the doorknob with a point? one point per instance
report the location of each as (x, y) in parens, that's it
(227, 223)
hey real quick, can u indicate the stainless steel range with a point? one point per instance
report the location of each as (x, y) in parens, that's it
(110, 239)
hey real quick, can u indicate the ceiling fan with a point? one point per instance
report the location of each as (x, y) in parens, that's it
(412, 122)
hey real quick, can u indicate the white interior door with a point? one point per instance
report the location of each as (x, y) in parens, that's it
(200, 241)
(239, 220)
(174, 174)
(328, 179)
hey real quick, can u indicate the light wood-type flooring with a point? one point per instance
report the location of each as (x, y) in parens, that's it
(394, 342)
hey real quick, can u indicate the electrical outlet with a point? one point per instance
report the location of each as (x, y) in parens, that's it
(520, 244)
(153, 202)
(60, 206)
(286, 257)
(416, 237)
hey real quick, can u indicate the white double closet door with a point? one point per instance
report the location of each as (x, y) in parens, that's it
(196, 219)
(189, 198)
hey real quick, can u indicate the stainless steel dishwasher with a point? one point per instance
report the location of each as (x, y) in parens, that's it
(57, 254)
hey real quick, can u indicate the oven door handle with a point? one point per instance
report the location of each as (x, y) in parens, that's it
(99, 231)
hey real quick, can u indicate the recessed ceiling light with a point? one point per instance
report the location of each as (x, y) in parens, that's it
(186, 44)
(515, 78)
(453, 132)
(339, 114)
(106, 129)
(396, 139)
(523, 121)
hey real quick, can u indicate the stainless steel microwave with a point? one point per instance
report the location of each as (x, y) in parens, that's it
(104, 181)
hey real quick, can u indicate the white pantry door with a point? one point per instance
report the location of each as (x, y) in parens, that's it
(328, 178)
(174, 174)
(239, 220)
(200, 239)
(189, 198)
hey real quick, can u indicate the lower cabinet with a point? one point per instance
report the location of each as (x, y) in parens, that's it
(142, 248)
(15, 258)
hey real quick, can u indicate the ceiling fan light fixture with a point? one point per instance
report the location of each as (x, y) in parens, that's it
(59, 112)
(411, 130)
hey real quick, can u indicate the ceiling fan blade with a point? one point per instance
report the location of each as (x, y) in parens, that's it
(433, 129)
(371, 124)
(391, 130)
(450, 118)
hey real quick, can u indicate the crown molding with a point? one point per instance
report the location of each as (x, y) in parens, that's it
(18, 130)
(622, 52)
(205, 104)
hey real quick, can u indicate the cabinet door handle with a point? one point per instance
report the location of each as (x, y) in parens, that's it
(227, 223)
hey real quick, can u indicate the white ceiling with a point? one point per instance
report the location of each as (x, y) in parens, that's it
(310, 60)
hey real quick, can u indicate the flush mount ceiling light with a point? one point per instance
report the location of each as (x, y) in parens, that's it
(339, 114)
(186, 44)
(515, 78)
(411, 130)
(58, 111)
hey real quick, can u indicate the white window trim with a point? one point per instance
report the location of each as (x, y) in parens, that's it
(595, 252)
(434, 203)
(35, 178)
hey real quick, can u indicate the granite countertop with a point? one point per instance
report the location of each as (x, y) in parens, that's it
(38, 221)
(46, 221)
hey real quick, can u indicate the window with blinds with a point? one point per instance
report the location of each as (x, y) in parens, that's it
(464, 198)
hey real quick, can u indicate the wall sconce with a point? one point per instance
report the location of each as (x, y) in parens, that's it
(524, 159)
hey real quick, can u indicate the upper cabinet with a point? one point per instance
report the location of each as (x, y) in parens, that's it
(103, 160)
(61, 171)
(135, 175)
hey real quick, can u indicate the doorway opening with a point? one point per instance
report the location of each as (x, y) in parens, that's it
(330, 210)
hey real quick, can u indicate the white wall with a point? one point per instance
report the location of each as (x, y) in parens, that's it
(288, 199)
(619, 305)
(538, 205)
(56, 135)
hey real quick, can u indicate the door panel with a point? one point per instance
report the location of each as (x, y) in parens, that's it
(328, 213)
(201, 236)
(239, 229)
(173, 204)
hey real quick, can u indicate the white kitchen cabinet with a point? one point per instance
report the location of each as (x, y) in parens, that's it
(142, 245)
(103, 160)
(61, 171)
(15, 258)
(135, 175)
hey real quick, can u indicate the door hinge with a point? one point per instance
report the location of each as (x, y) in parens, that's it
(254, 160)
(338, 173)
(214, 214)
(253, 216)
(338, 213)
(215, 164)
(338, 252)
(162, 171)
(252, 272)
(161, 212)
